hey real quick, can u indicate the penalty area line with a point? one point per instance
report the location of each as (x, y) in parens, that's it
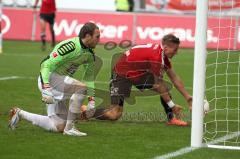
(190, 149)
(177, 153)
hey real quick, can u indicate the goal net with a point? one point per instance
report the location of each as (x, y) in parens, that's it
(222, 82)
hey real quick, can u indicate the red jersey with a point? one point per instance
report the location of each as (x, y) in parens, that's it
(48, 7)
(141, 59)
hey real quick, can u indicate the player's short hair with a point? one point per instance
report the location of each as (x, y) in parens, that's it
(87, 28)
(170, 39)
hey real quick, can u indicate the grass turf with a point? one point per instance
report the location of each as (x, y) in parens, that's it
(130, 137)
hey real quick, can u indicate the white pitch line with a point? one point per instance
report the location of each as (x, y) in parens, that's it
(9, 78)
(14, 77)
(190, 149)
(176, 153)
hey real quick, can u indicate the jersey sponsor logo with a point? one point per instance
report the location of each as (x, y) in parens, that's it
(55, 54)
(66, 48)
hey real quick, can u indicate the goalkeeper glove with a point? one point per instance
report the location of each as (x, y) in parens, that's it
(91, 103)
(47, 96)
(90, 111)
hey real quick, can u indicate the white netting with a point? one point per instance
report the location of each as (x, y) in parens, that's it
(223, 78)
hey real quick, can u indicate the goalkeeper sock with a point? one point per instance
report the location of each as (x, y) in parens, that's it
(44, 122)
(75, 103)
(71, 118)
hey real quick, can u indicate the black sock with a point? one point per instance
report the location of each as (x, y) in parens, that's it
(167, 109)
(43, 38)
(53, 36)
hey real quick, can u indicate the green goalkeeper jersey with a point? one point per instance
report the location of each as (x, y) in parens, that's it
(65, 59)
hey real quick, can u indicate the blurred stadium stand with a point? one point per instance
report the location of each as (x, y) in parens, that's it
(155, 6)
(18, 3)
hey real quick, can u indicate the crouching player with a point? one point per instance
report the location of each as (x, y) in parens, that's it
(143, 66)
(58, 87)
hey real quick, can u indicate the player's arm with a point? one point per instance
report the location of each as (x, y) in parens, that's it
(162, 87)
(160, 84)
(178, 83)
(59, 56)
(47, 67)
(50, 64)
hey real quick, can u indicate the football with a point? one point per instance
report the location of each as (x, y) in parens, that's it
(205, 106)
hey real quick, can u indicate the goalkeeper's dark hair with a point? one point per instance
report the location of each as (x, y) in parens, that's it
(170, 39)
(87, 28)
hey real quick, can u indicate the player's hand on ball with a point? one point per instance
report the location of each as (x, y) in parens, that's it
(47, 96)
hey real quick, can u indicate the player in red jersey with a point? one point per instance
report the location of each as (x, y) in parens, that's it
(143, 66)
(47, 15)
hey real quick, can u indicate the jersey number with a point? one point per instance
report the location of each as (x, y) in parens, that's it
(66, 48)
(138, 46)
(142, 46)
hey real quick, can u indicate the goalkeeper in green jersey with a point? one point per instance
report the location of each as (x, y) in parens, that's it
(58, 87)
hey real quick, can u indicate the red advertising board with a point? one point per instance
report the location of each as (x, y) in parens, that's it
(17, 24)
(152, 31)
(140, 28)
(112, 27)
(220, 31)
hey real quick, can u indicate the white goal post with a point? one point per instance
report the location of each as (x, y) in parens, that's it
(217, 78)
(199, 73)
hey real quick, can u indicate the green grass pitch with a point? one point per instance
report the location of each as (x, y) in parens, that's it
(131, 137)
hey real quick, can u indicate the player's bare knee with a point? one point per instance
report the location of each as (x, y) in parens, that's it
(60, 127)
(115, 116)
(115, 113)
(118, 115)
(58, 123)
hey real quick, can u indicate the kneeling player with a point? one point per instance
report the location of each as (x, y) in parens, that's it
(143, 66)
(57, 85)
